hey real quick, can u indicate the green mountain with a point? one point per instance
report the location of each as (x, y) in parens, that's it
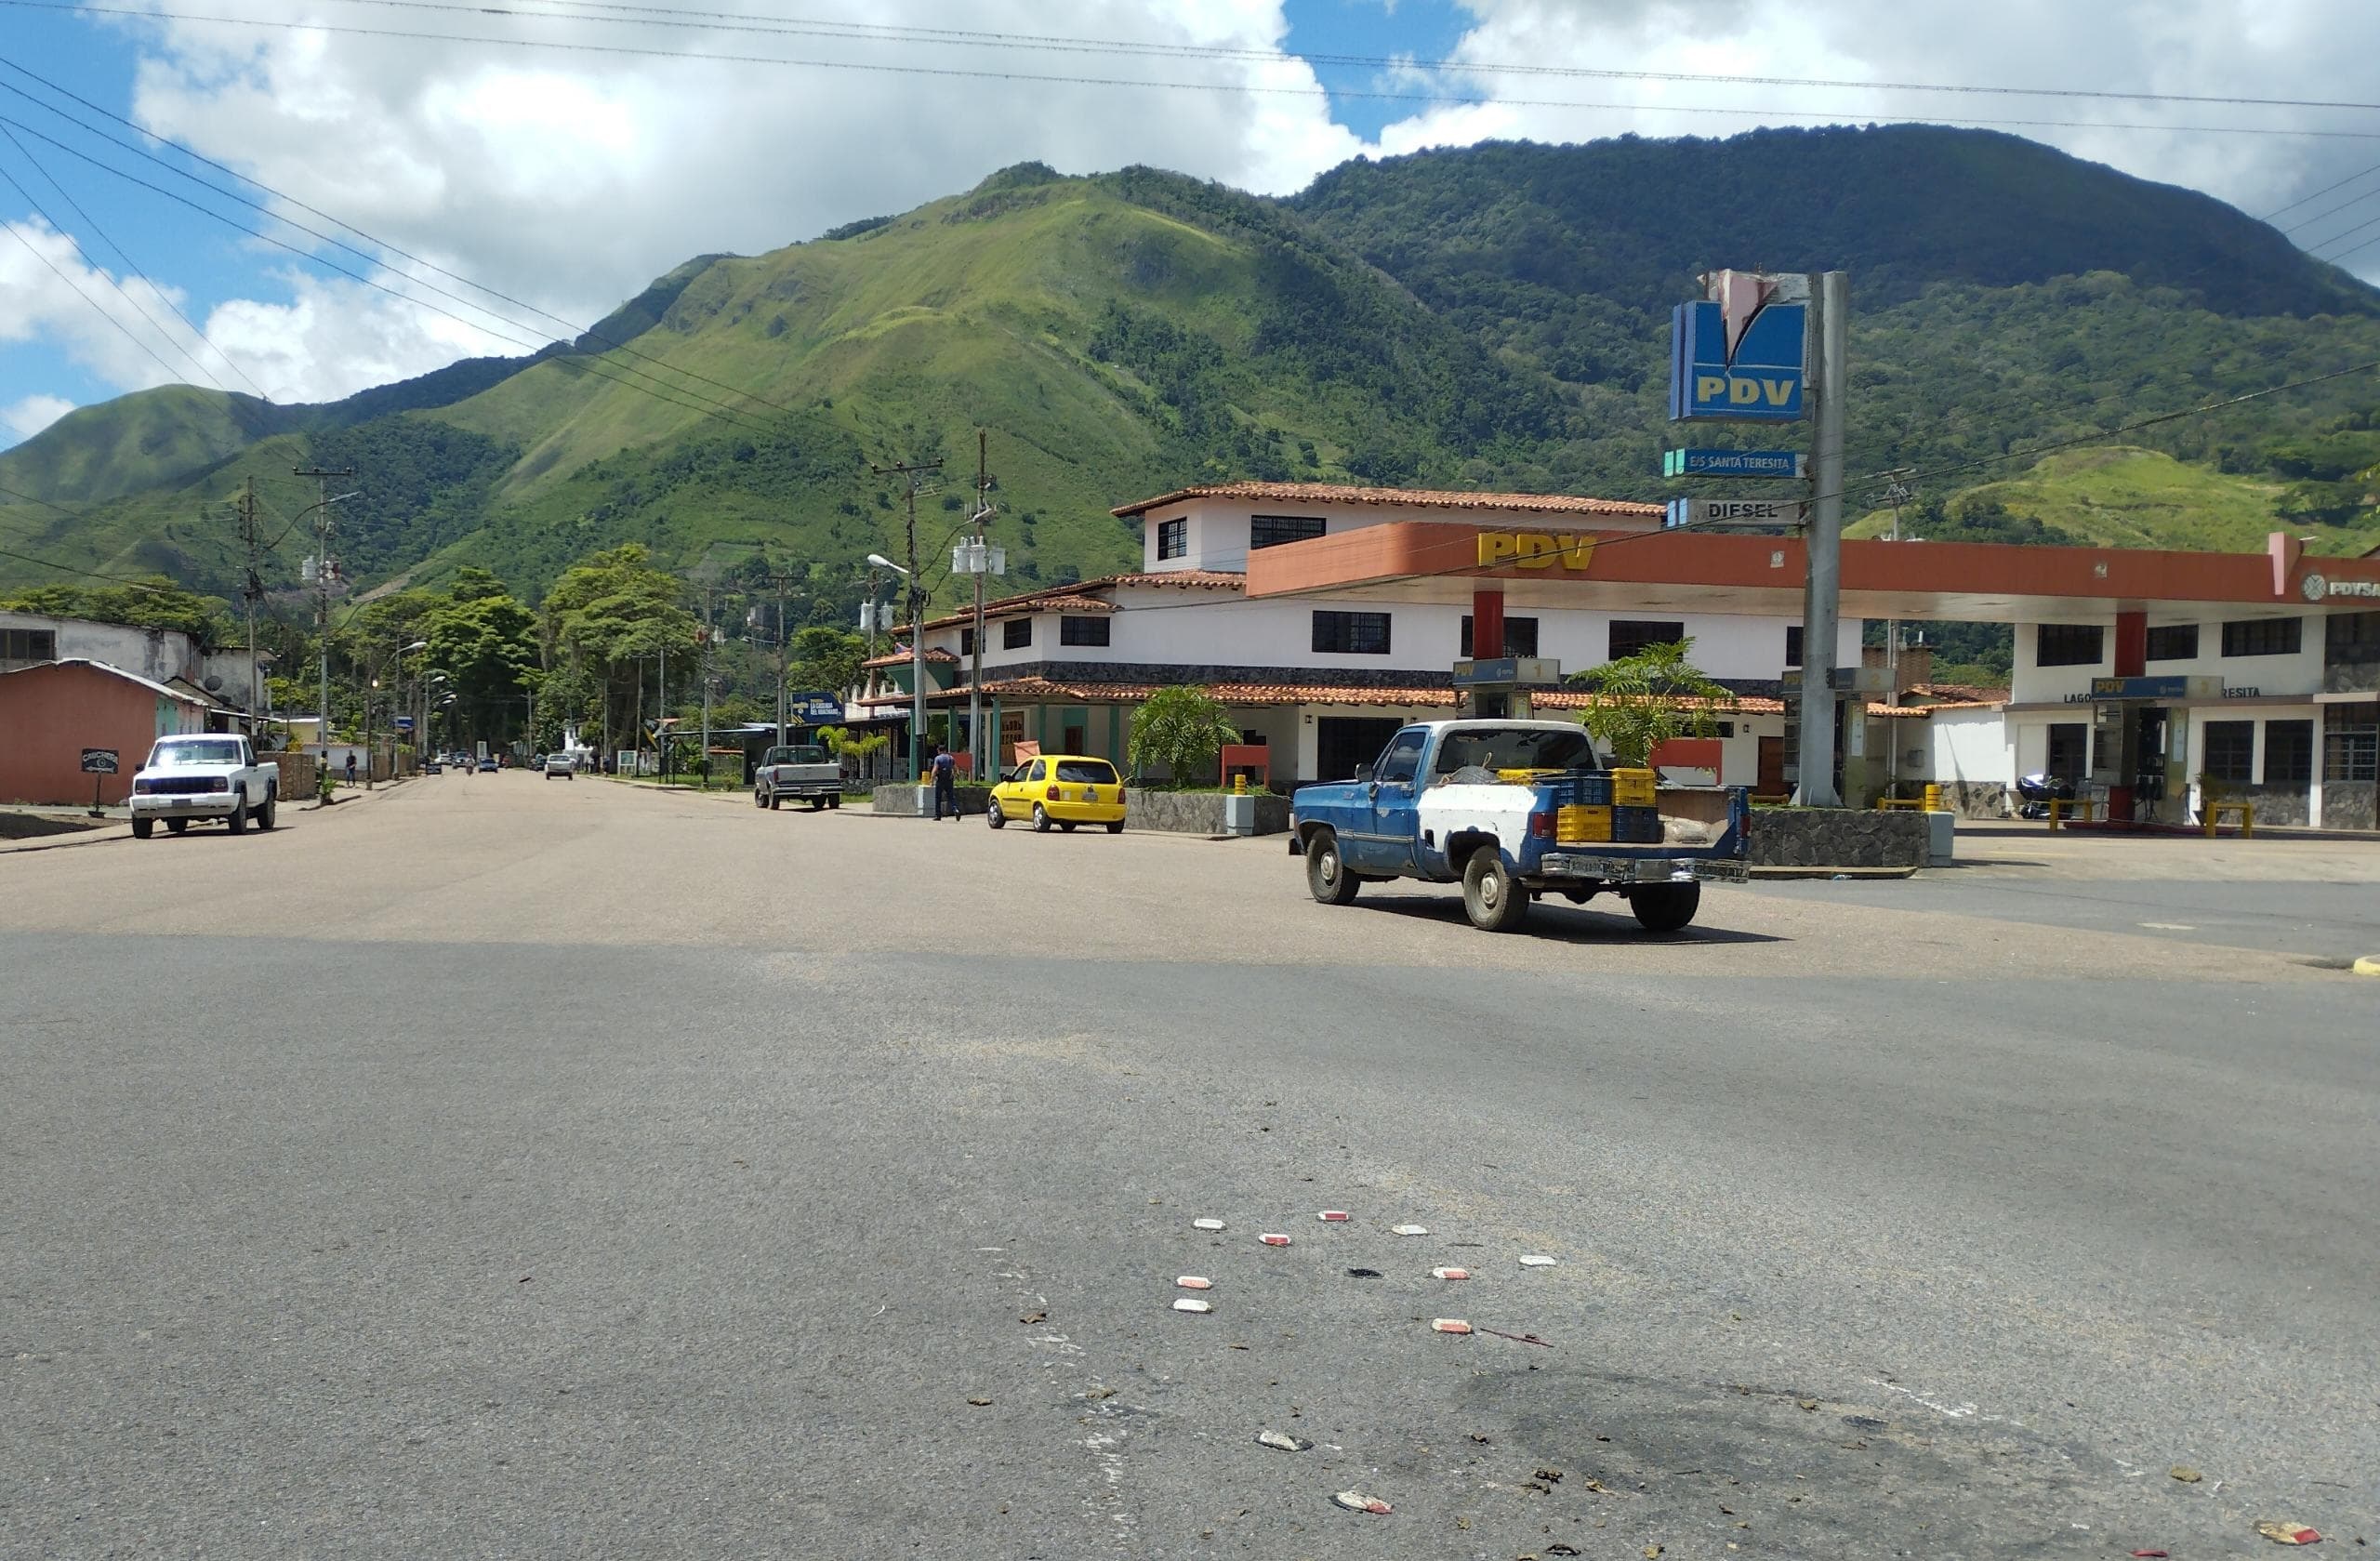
(1490, 317)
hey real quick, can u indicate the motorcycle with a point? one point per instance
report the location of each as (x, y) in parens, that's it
(2036, 792)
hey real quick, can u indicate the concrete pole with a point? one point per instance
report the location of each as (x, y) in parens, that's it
(1822, 590)
(916, 650)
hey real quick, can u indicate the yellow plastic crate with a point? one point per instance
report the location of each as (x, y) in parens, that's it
(1582, 825)
(1632, 788)
(1525, 777)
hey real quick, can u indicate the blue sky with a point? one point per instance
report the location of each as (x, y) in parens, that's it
(514, 165)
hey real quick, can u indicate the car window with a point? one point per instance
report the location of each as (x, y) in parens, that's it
(1039, 769)
(1087, 772)
(1515, 749)
(1401, 757)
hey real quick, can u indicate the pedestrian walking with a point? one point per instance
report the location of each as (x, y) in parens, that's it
(351, 766)
(945, 784)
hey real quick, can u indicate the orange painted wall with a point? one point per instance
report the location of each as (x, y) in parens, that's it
(48, 715)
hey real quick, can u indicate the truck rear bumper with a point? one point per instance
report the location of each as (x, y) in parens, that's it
(1643, 869)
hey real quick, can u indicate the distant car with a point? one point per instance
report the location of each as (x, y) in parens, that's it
(1061, 789)
(487, 765)
(432, 767)
(561, 764)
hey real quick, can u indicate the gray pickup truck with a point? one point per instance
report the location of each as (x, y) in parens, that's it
(797, 770)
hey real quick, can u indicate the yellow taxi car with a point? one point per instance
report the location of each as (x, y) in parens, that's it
(1061, 789)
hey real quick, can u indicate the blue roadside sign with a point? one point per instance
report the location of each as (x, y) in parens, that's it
(1756, 377)
(813, 706)
(1734, 463)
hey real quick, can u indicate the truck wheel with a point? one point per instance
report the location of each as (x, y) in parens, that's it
(1040, 819)
(760, 797)
(239, 819)
(992, 815)
(1326, 878)
(1665, 907)
(835, 803)
(144, 828)
(817, 804)
(776, 803)
(176, 825)
(1490, 898)
(271, 803)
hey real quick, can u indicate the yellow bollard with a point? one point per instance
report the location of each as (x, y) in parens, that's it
(1932, 798)
(1239, 784)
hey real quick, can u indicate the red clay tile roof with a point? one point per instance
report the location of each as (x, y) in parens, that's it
(1211, 579)
(1075, 598)
(1420, 498)
(1960, 693)
(900, 657)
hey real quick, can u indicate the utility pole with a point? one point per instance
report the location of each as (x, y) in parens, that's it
(1897, 492)
(251, 590)
(323, 589)
(977, 558)
(1822, 591)
(909, 472)
(702, 652)
(781, 581)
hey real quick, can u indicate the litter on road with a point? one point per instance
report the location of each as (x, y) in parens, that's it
(2185, 1474)
(2289, 1533)
(1283, 1440)
(1274, 1239)
(1333, 1216)
(1519, 1338)
(1206, 1224)
(1537, 1260)
(1357, 1502)
(1191, 1303)
(1409, 1230)
(1450, 1272)
(1449, 1325)
(1194, 1282)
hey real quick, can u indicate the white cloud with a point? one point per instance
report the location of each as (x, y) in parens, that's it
(28, 417)
(47, 292)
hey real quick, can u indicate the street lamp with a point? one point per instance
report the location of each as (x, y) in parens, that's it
(917, 669)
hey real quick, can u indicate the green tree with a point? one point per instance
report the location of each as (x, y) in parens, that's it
(606, 618)
(487, 647)
(1645, 699)
(1183, 728)
(152, 602)
(826, 658)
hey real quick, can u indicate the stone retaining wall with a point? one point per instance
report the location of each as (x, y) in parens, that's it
(1198, 813)
(1837, 838)
(904, 800)
(1976, 798)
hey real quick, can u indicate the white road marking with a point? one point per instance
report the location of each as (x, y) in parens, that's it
(2169, 927)
(1956, 1411)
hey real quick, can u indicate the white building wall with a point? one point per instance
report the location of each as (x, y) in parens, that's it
(158, 654)
(2297, 673)
(1170, 626)
(1974, 747)
(1220, 528)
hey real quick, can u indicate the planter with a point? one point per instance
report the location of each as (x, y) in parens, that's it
(1206, 812)
(905, 800)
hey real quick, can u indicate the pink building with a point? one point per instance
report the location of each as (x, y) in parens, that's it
(51, 712)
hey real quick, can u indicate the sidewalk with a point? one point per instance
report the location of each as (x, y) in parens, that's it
(52, 828)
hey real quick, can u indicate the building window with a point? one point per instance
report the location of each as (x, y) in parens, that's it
(2288, 752)
(1793, 644)
(2351, 744)
(1520, 636)
(1271, 531)
(1016, 634)
(1173, 539)
(2069, 751)
(2263, 636)
(967, 641)
(2069, 644)
(1073, 631)
(2353, 636)
(1350, 633)
(2230, 751)
(2172, 641)
(1630, 635)
(28, 644)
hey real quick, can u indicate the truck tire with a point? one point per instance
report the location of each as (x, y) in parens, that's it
(760, 797)
(271, 803)
(992, 814)
(1326, 878)
(144, 828)
(776, 803)
(1490, 898)
(835, 803)
(239, 819)
(1665, 907)
(177, 825)
(817, 804)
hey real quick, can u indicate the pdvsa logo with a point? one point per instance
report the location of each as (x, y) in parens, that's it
(1737, 358)
(2313, 588)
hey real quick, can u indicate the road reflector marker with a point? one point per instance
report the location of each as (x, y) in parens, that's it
(1192, 1283)
(1333, 1216)
(1450, 1272)
(1191, 1303)
(1206, 1224)
(1274, 1241)
(1537, 1260)
(1449, 1325)
(1409, 1230)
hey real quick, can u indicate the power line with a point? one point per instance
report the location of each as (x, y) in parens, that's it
(579, 330)
(2319, 193)
(1144, 85)
(171, 373)
(695, 19)
(667, 392)
(163, 297)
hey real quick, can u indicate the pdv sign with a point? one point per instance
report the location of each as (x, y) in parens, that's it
(1754, 373)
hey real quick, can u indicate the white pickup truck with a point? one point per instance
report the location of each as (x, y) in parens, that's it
(204, 775)
(803, 770)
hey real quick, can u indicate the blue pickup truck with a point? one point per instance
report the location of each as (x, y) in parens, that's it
(1513, 809)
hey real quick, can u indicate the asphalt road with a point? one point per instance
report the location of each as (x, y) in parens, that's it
(503, 1167)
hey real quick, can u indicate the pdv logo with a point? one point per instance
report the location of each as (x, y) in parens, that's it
(1753, 373)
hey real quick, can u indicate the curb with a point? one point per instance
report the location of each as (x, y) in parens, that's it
(119, 831)
(2370, 966)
